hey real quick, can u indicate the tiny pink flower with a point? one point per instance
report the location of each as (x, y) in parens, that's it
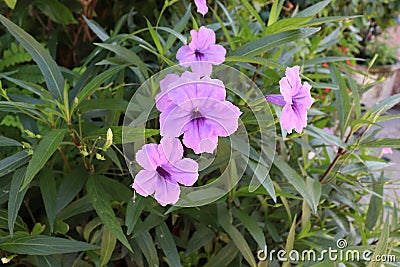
(201, 6)
(202, 52)
(295, 99)
(164, 168)
(387, 150)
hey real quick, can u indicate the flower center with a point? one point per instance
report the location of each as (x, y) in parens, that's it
(163, 173)
(199, 56)
(197, 117)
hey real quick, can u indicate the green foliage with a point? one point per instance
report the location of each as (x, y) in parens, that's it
(67, 191)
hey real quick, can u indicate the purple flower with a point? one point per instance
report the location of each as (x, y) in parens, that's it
(201, 6)
(295, 99)
(164, 168)
(387, 150)
(202, 52)
(199, 112)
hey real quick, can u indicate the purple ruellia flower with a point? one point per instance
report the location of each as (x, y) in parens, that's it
(199, 112)
(201, 6)
(202, 52)
(295, 99)
(164, 168)
(387, 150)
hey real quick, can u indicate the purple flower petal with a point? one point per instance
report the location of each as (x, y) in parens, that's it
(185, 55)
(170, 150)
(276, 99)
(148, 157)
(162, 99)
(203, 68)
(223, 117)
(173, 120)
(293, 76)
(199, 136)
(201, 6)
(387, 150)
(145, 182)
(202, 39)
(166, 191)
(184, 171)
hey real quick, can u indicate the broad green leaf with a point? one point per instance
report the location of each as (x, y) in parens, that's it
(43, 245)
(123, 134)
(34, 88)
(264, 44)
(314, 189)
(375, 206)
(51, 72)
(5, 141)
(386, 104)
(150, 222)
(97, 81)
(235, 235)
(255, 60)
(15, 197)
(252, 226)
(45, 149)
(11, 3)
(226, 255)
(314, 9)
(381, 247)
(200, 237)
(260, 172)
(108, 242)
(116, 190)
(103, 208)
(320, 60)
(146, 245)
(13, 162)
(72, 183)
(128, 55)
(133, 211)
(100, 103)
(328, 138)
(168, 245)
(48, 190)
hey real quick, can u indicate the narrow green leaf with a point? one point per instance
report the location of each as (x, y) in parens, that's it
(43, 245)
(11, 3)
(168, 245)
(252, 11)
(225, 256)
(287, 24)
(5, 141)
(79, 206)
(128, 55)
(314, 9)
(325, 136)
(252, 226)
(200, 237)
(56, 11)
(15, 197)
(133, 211)
(264, 44)
(45, 149)
(13, 162)
(386, 104)
(108, 242)
(155, 37)
(290, 241)
(146, 245)
(19, 224)
(95, 82)
(48, 189)
(178, 28)
(375, 206)
(51, 72)
(103, 208)
(383, 142)
(235, 235)
(72, 183)
(97, 29)
(342, 99)
(48, 261)
(381, 247)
